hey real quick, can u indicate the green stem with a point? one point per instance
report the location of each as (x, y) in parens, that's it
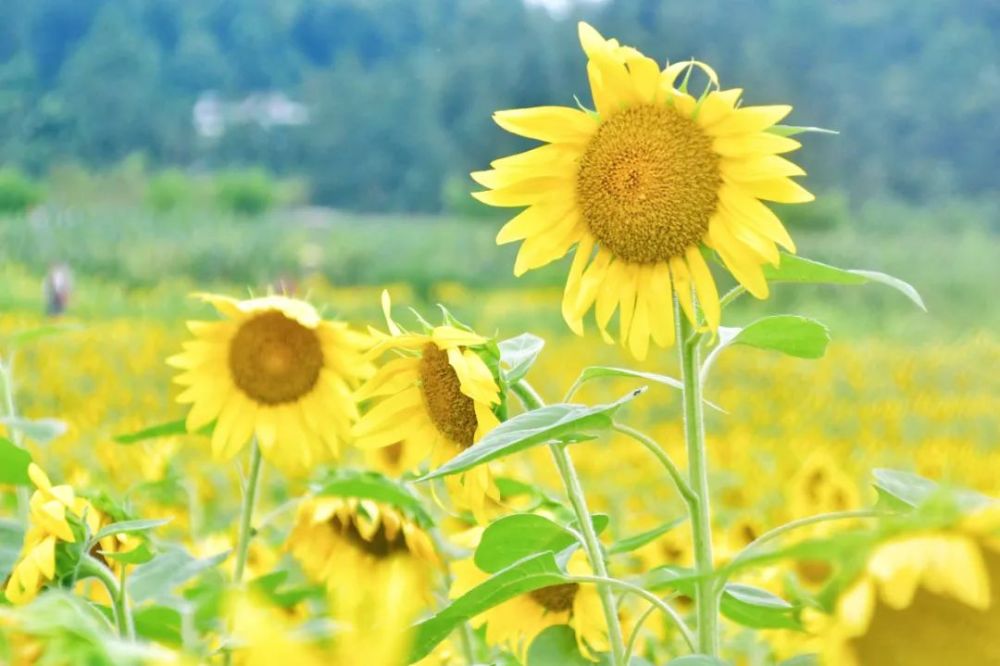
(634, 638)
(246, 512)
(744, 554)
(675, 474)
(574, 490)
(659, 603)
(706, 600)
(7, 385)
(90, 567)
(246, 524)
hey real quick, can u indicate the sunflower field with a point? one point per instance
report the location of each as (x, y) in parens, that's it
(678, 439)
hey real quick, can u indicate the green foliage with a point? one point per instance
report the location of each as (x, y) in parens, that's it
(374, 486)
(249, 192)
(788, 334)
(557, 645)
(18, 193)
(14, 462)
(514, 537)
(553, 423)
(168, 190)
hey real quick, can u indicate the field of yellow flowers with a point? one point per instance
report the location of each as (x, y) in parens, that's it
(637, 464)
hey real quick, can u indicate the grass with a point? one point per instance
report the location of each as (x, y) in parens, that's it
(123, 254)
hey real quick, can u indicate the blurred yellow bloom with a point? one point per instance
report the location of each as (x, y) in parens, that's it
(51, 508)
(274, 369)
(639, 187)
(514, 624)
(435, 399)
(922, 599)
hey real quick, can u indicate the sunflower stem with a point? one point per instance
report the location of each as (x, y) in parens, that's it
(91, 567)
(246, 519)
(246, 513)
(7, 386)
(574, 490)
(706, 599)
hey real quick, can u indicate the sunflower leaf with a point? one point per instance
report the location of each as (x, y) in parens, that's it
(11, 538)
(539, 426)
(14, 462)
(374, 486)
(792, 130)
(757, 608)
(42, 431)
(523, 576)
(789, 334)
(168, 429)
(130, 527)
(158, 578)
(903, 491)
(21, 338)
(557, 645)
(806, 271)
(518, 354)
(637, 541)
(512, 538)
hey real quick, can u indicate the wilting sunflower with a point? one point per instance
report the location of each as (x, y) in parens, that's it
(514, 624)
(923, 599)
(639, 187)
(274, 369)
(53, 511)
(435, 400)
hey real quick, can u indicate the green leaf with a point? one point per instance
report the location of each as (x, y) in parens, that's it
(556, 646)
(757, 608)
(161, 624)
(374, 486)
(696, 660)
(138, 555)
(14, 462)
(169, 429)
(529, 574)
(637, 541)
(789, 334)
(539, 426)
(512, 538)
(904, 491)
(598, 371)
(159, 577)
(21, 338)
(130, 527)
(517, 355)
(792, 130)
(11, 539)
(806, 271)
(42, 431)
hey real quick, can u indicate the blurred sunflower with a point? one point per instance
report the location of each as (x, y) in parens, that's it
(639, 186)
(53, 512)
(274, 369)
(341, 541)
(923, 599)
(514, 624)
(435, 400)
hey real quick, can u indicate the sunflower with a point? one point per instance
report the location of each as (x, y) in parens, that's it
(56, 515)
(435, 399)
(639, 186)
(922, 599)
(515, 623)
(343, 540)
(274, 369)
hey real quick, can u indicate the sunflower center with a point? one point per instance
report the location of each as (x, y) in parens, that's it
(556, 598)
(274, 359)
(935, 630)
(453, 412)
(648, 184)
(379, 546)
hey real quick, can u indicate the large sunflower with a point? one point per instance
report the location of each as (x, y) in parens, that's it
(639, 187)
(515, 623)
(922, 599)
(274, 369)
(435, 399)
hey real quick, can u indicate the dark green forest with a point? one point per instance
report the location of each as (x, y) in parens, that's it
(399, 92)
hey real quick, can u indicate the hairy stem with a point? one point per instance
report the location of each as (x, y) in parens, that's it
(91, 567)
(531, 400)
(7, 386)
(706, 600)
(675, 474)
(246, 522)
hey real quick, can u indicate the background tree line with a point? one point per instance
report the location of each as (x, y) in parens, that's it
(400, 92)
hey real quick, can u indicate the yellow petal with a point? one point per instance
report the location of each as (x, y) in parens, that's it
(704, 285)
(553, 124)
(781, 190)
(748, 119)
